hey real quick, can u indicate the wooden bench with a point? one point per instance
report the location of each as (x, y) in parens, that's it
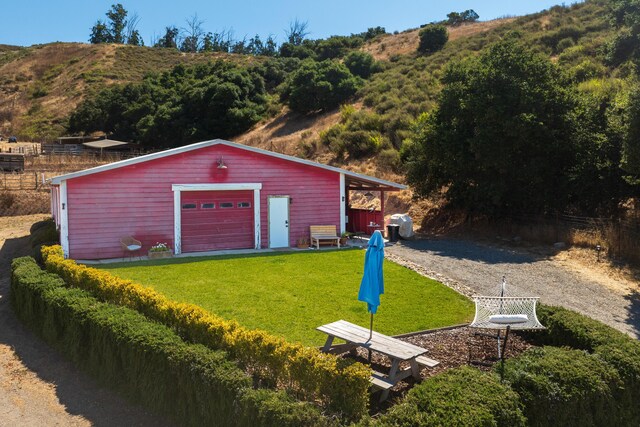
(321, 233)
(380, 381)
(425, 361)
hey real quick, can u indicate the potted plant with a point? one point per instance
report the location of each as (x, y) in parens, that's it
(160, 250)
(302, 243)
(344, 237)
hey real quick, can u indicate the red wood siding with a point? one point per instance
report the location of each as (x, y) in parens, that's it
(137, 200)
(360, 220)
(214, 220)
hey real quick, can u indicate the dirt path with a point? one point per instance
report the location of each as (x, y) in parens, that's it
(557, 281)
(37, 385)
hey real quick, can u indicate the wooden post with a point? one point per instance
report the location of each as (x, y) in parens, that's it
(382, 212)
(349, 225)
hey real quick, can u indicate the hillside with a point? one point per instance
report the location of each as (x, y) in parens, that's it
(41, 85)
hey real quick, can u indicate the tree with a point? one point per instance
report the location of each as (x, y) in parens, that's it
(193, 35)
(372, 33)
(131, 33)
(501, 139)
(217, 42)
(631, 144)
(625, 15)
(458, 18)
(100, 33)
(118, 17)
(135, 39)
(432, 38)
(319, 86)
(169, 40)
(469, 16)
(117, 28)
(186, 104)
(297, 32)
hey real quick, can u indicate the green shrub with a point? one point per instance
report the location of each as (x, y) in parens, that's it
(565, 44)
(560, 386)
(389, 160)
(147, 361)
(459, 397)
(432, 38)
(361, 64)
(44, 232)
(319, 86)
(566, 327)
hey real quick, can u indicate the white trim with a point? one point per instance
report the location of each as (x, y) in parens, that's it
(216, 187)
(64, 219)
(343, 201)
(177, 223)
(256, 219)
(177, 207)
(198, 145)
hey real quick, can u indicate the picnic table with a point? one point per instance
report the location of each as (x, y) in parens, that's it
(398, 351)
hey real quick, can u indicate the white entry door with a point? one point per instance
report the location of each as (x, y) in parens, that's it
(279, 221)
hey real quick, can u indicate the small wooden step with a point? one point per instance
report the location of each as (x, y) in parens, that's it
(425, 361)
(379, 380)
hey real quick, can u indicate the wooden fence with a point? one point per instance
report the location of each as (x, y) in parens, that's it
(23, 181)
(27, 150)
(619, 237)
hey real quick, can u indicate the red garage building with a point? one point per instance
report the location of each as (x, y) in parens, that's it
(211, 195)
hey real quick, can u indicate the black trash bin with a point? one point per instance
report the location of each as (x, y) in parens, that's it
(393, 232)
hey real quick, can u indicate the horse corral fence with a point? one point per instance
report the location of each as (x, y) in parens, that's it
(24, 181)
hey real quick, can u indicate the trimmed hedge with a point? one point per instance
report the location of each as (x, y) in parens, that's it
(147, 361)
(568, 328)
(459, 397)
(560, 386)
(43, 233)
(341, 385)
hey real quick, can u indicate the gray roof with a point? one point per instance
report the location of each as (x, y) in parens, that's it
(198, 145)
(104, 143)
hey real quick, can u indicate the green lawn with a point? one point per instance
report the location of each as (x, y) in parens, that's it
(290, 294)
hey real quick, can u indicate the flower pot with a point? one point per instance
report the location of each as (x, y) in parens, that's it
(303, 246)
(160, 254)
(343, 241)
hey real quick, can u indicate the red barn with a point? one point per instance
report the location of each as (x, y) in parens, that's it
(207, 196)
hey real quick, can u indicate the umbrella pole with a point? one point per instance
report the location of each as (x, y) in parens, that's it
(370, 335)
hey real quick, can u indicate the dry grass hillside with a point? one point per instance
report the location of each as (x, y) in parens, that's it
(383, 48)
(41, 85)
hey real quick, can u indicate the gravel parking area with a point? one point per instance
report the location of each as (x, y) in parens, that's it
(477, 268)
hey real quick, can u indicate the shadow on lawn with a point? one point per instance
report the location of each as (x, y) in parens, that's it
(78, 394)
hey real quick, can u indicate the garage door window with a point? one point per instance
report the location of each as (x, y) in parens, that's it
(226, 205)
(208, 206)
(189, 206)
(244, 204)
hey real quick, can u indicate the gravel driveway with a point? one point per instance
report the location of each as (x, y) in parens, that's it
(480, 267)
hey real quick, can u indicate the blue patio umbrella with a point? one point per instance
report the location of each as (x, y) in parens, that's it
(372, 284)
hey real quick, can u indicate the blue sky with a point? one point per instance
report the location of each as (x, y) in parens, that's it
(27, 22)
